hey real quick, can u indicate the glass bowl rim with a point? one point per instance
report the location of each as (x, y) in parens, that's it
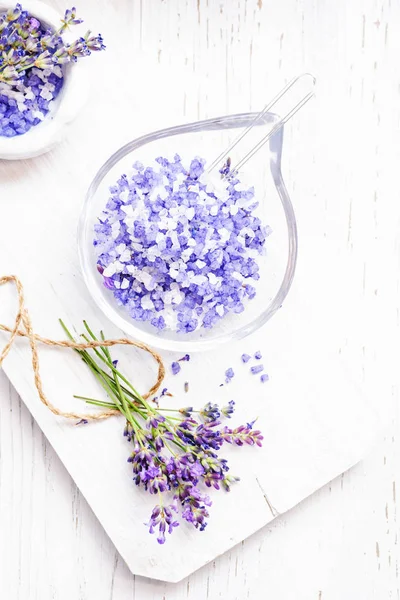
(228, 121)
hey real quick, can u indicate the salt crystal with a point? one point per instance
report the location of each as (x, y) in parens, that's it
(225, 234)
(125, 284)
(146, 302)
(167, 297)
(38, 115)
(119, 267)
(190, 213)
(110, 270)
(125, 256)
(163, 194)
(237, 276)
(199, 279)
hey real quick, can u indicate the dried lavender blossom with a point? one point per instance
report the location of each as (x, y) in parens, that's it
(31, 61)
(173, 457)
(228, 410)
(184, 358)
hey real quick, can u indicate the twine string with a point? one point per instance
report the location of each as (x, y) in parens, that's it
(23, 319)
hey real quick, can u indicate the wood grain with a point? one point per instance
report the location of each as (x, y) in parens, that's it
(214, 58)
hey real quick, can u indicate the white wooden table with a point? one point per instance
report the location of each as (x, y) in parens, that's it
(341, 543)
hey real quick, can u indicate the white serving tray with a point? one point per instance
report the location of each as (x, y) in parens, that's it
(315, 418)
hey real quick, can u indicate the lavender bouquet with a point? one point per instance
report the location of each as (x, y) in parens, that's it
(175, 454)
(31, 66)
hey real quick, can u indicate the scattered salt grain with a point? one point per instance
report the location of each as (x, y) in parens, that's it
(176, 367)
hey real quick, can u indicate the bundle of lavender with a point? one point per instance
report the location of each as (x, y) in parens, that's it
(175, 453)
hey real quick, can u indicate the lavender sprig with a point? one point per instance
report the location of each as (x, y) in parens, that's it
(25, 43)
(174, 455)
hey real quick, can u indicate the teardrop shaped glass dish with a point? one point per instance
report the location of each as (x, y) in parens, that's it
(277, 266)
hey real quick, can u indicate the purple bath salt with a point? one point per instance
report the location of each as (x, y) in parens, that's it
(28, 102)
(178, 247)
(175, 367)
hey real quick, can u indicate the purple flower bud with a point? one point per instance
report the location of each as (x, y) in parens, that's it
(228, 410)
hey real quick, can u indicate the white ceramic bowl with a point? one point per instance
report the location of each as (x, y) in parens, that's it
(43, 137)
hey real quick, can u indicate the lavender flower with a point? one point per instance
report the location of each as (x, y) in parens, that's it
(175, 455)
(242, 435)
(182, 474)
(228, 480)
(186, 357)
(187, 412)
(162, 517)
(69, 19)
(195, 510)
(210, 412)
(31, 75)
(228, 410)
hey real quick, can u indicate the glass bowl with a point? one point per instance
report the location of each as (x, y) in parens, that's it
(206, 139)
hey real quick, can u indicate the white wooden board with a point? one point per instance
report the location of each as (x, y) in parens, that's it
(315, 421)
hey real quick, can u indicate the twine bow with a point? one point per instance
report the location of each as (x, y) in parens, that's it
(24, 319)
